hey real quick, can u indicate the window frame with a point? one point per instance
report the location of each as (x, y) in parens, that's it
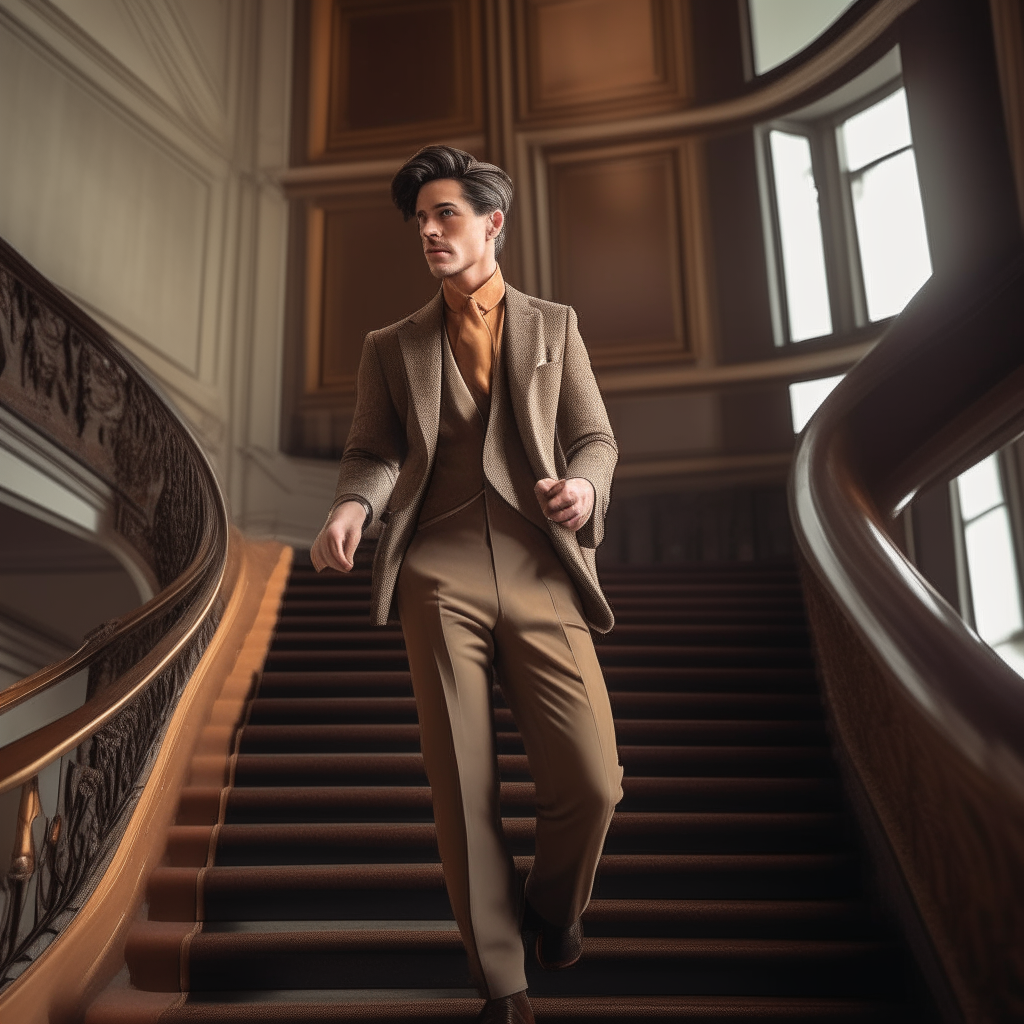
(1009, 481)
(843, 265)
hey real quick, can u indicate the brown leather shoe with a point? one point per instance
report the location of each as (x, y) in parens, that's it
(556, 948)
(513, 1009)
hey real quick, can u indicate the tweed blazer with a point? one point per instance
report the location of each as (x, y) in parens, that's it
(555, 407)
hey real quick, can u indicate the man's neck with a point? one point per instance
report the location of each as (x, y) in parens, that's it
(468, 280)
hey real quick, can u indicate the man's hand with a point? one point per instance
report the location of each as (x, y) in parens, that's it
(336, 543)
(568, 502)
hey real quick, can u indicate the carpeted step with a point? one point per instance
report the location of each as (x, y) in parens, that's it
(374, 803)
(375, 890)
(338, 1006)
(646, 635)
(398, 841)
(609, 966)
(293, 738)
(659, 678)
(723, 707)
(730, 888)
(407, 768)
(611, 653)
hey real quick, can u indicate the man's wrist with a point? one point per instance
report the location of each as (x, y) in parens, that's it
(367, 509)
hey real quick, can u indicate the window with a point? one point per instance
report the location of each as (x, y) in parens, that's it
(779, 29)
(806, 395)
(877, 161)
(843, 216)
(989, 569)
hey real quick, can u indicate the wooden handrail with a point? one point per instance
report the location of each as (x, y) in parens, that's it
(954, 364)
(929, 719)
(62, 375)
(23, 759)
(98, 640)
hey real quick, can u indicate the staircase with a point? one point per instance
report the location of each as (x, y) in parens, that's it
(731, 885)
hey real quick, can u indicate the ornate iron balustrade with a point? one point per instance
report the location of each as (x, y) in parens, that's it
(67, 380)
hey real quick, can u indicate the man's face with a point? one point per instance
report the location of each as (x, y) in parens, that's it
(455, 239)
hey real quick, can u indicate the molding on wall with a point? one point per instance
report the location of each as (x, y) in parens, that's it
(165, 31)
(792, 90)
(60, 41)
(25, 648)
(802, 366)
(671, 83)
(296, 180)
(330, 22)
(690, 260)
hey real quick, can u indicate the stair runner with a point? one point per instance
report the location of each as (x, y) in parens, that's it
(731, 884)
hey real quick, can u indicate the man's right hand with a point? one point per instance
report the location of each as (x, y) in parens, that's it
(336, 543)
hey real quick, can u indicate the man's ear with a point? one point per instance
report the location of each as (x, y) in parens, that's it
(495, 222)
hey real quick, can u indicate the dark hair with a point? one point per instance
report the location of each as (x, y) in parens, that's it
(486, 187)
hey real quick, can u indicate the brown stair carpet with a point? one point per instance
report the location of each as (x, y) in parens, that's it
(731, 888)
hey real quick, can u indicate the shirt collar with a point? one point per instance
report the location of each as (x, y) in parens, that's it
(487, 296)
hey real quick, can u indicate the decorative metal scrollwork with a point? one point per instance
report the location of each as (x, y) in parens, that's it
(62, 374)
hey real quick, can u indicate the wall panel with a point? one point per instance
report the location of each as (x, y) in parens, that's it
(620, 249)
(580, 57)
(393, 75)
(116, 218)
(372, 274)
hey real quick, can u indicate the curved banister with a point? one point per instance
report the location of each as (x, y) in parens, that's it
(98, 640)
(23, 759)
(930, 718)
(855, 468)
(69, 382)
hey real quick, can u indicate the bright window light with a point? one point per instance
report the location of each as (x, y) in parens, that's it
(891, 233)
(876, 132)
(988, 547)
(995, 593)
(891, 236)
(979, 489)
(805, 397)
(781, 28)
(803, 253)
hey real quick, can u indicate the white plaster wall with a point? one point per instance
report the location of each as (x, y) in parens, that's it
(139, 145)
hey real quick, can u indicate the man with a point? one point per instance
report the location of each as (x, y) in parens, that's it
(481, 455)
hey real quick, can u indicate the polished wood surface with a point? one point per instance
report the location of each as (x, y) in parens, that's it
(929, 716)
(199, 737)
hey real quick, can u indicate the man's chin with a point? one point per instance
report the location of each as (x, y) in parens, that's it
(443, 270)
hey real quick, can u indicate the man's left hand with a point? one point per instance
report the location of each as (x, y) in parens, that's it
(568, 502)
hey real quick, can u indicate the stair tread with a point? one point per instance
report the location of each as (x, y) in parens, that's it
(729, 865)
(243, 1008)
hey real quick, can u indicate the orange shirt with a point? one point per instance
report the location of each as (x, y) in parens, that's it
(473, 355)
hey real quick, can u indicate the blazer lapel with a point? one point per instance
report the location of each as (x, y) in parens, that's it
(534, 395)
(421, 339)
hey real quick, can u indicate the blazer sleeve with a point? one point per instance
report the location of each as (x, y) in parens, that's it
(376, 444)
(584, 431)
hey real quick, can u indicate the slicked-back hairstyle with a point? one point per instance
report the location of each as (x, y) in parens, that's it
(486, 187)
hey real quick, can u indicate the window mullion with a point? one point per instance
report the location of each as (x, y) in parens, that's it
(1009, 470)
(851, 244)
(838, 268)
(773, 236)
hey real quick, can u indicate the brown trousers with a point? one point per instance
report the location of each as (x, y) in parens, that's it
(481, 589)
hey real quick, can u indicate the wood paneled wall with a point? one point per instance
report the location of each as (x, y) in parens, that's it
(617, 229)
(611, 216)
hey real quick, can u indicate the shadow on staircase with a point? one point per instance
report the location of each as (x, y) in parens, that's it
(731, 888)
